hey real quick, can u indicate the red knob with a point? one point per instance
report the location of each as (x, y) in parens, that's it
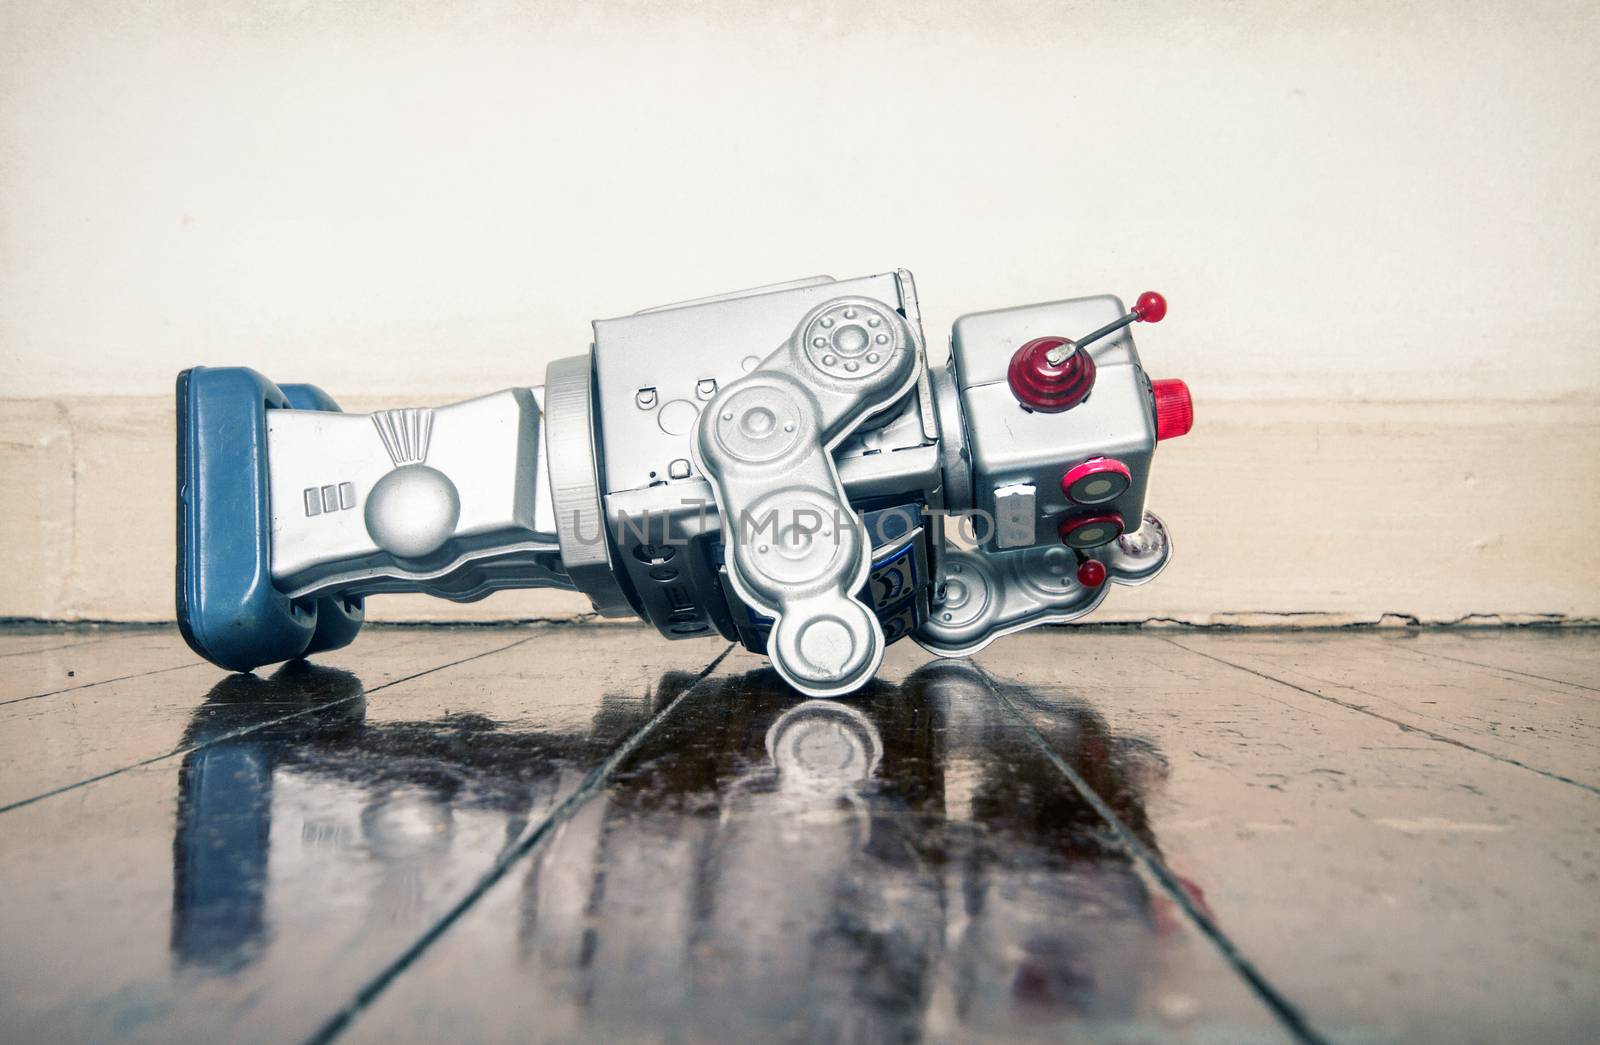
(1174, 408)
(1050, 387)
(1150, 308)
(1091, 573)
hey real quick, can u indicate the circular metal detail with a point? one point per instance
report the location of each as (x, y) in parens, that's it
(677, 417)
(967, 592)
(412, 511)
(827, 645)
(1136, 557)
(821, 650)
(804, 542)
(1051, 575)
(760, 423)
(851, 339)
(569, 431)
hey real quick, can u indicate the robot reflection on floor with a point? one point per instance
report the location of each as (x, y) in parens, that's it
(779, 465)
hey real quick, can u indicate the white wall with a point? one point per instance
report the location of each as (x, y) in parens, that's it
(1352, 208)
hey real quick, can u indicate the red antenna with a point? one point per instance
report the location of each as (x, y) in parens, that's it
(1150, 308)
(1051, 374)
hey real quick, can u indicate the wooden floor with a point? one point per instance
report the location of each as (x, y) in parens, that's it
(569, 833)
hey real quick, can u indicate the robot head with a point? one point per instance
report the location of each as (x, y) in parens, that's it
(1060, 432)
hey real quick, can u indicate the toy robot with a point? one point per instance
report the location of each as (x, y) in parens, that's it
(778, 465)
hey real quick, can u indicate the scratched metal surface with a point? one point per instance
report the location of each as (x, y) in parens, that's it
(567, 833)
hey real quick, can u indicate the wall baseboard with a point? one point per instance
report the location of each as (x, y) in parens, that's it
(1283, 514)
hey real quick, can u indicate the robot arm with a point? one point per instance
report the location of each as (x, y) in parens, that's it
(290, 512)
(777, 465)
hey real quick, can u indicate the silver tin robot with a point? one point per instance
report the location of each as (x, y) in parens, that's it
(779, 465)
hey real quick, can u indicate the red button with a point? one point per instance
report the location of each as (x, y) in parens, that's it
(1091, 531)
(1096, 481)
(1091, 573)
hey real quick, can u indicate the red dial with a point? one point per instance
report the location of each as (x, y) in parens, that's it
(1050, 387)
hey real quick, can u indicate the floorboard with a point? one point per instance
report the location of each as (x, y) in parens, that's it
(1393, 886)
(1532, 653)
(84, 735)
(247, 885)
(1522, 722)
(561, 833)
(61, 663)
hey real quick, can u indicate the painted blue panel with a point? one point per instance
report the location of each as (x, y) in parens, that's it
(228, 609)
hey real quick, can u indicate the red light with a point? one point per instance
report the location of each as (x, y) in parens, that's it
(1091, 573)
(1174, 408)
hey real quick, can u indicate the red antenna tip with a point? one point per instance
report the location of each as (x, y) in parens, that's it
(1150, 308)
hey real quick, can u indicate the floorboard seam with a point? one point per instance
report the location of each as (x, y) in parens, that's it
(245, 730)
(92, 685)
(48, 649)
(596, 779)
(1397, 723)
(1285, 1011)
(1434, 654)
